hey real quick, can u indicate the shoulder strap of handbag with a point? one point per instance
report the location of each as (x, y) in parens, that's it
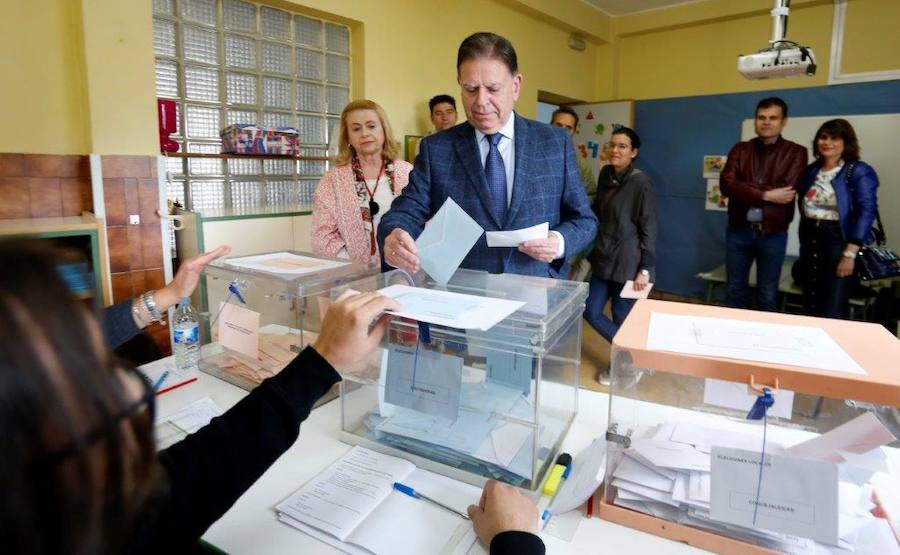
(880, 237)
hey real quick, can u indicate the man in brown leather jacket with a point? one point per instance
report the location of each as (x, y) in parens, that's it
(760, 180)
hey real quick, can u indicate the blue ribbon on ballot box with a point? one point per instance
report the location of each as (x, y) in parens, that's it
(759, 411)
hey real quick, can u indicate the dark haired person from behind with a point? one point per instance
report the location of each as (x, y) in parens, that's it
(760, 180)
(443, 112)
(78, 470)
(838, 203)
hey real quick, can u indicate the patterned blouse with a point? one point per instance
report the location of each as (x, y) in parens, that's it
(820, 202)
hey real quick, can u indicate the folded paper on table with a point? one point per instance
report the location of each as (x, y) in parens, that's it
(455, 310)
(515, 237)
(354, 502)
(446, 241)
(806, 346)
(588, 470)
(629, 292)
(176, 426)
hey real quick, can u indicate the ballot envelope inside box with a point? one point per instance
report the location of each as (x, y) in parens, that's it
(472, 404)
(275, 303)
(685, 462)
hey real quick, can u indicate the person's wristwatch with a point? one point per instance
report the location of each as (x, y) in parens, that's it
(848, 254)
(645, 273)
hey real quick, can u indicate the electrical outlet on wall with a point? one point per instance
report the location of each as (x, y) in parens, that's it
(134, 219)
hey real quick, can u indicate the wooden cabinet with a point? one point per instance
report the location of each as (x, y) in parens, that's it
(82, 243)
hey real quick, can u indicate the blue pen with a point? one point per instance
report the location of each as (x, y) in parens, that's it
(402, 488)
(161, 380)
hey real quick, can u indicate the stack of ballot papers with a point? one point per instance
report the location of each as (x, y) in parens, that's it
(707, 478)
(493, 434)
(353, 506)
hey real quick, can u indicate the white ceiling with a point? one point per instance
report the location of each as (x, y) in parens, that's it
(625, 7)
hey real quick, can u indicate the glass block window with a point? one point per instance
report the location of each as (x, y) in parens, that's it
(230, 62)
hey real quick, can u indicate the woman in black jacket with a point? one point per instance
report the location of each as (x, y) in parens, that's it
(626, 236)
(78, 470)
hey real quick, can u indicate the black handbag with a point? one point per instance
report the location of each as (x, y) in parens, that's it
(875, 261)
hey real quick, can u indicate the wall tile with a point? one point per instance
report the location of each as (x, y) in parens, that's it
(151, 241)
(121, 287)
(72, 191)
(14, 198)
(138, 283)
(12, 165)
(135, 247)
(45, 197)
(154, 279)
(125, 166)
(114, 197)
(132, 200)
(149, 200)
(119, 259)
(53, 165)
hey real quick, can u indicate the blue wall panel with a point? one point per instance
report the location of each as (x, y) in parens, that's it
(677, 132)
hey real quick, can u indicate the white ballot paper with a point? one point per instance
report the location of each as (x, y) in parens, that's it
(515, 237)
(805, 346)
(445, 308)
(285, 263)
(734, 395)
(857, 437)
(797, 496)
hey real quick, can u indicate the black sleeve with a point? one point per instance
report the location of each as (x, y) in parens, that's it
(517, 543)
(118, 324)
(210, 469)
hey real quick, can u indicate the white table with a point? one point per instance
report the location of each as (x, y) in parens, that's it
(250, 525)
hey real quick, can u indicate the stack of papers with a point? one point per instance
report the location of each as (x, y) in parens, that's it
(669, 473)
(493, 434)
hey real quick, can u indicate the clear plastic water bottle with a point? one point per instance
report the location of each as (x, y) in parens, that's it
(186, 335)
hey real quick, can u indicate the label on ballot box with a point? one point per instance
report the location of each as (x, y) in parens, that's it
(790, 495)
(424, 380)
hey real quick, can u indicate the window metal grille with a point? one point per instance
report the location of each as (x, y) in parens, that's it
(233, 61)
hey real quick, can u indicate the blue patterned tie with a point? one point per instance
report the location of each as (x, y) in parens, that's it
(495, 172)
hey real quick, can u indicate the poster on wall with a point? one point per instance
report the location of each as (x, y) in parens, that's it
(714, 198)
(713, 166)
(595, 124)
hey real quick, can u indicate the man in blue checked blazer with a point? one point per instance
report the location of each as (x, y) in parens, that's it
(505, 171)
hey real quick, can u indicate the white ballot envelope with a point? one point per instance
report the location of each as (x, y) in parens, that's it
(446, 241)
(515, 237)
(629, 292)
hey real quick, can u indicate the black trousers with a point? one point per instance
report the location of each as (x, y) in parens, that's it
(821, 247)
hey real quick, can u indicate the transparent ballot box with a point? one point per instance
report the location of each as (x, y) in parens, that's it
(739, 431)
(471, 404)
(281, 295)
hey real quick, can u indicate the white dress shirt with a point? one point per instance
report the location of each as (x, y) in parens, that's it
(507, 148)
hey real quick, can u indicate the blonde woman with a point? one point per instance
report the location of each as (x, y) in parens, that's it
(354, 194)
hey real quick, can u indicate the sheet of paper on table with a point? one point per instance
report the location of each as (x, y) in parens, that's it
(446, 241)
(806, 346)
(178, 425)
(515, 237)
(445, 308)
(284, 263)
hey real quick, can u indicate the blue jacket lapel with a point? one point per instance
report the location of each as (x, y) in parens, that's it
(524, 156)
(470, 157)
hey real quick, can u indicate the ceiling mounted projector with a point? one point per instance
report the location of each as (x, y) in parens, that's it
(783, 58)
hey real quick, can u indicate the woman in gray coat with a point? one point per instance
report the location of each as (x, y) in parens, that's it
(626, 236)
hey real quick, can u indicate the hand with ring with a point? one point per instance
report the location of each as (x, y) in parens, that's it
(400, 251)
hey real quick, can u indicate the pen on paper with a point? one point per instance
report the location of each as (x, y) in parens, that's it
(403, 488)
(161, 380)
